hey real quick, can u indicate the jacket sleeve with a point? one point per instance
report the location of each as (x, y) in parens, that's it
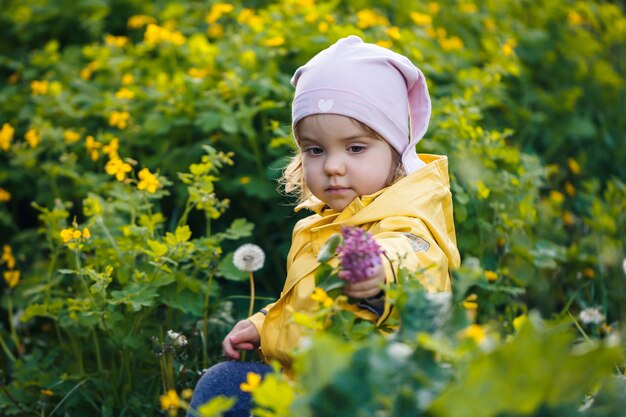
(409, 242)
(258, 318)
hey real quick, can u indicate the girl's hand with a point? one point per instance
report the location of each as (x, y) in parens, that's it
(368, 288)
(243, 336)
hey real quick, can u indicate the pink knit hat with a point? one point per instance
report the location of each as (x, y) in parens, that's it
(371, 84)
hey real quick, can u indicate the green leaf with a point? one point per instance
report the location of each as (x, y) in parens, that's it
(238, 229)
(217, 406)
(230, 124)
(208, 121)
(136, 296)
(183, 233)
(326, 279)
(274, 394)
(537, 368)
(158, 248)
(329, 248)
(228, 270)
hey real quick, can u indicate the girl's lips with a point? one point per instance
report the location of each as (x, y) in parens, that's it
(336, 190)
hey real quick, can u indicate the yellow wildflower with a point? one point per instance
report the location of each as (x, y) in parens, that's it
(248, 59)
(156, 34)
(574, 18)
(468, 8)
(39, 87)
(491, 276)
(215, 31)
(72, 233)
(245, 180)
(384, 44)
(274, 41)
(253, 380)
(112, 148)
(322, 27)
(470, 302)
(55, 88)
(570, 189)
(7, 257)
(322, 297)
(4, 195)
(368, 18)
(394, 33)
(70, 136)
(509, 47)
(476, 332)
(483, 190)
(148, 181)
(12, 278)
(198, 72)
(137, 21)
(6, 136)
(519, 321)
(573, 166)
(117, 41)
(490, 24)
(117, 167)
(92, 147)
(557, 196)
(47, 392)
(187, 393)
(433, 7)
(217, 11)
(451, 44)
(127, 79)
(254, 21)
(170, 402)
(119, 119)
(124, 94)
(431, 33)
(32, 137)
(421, 19)
(589, 273)
(568, 218)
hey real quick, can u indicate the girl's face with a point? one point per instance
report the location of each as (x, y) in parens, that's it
(340, 160)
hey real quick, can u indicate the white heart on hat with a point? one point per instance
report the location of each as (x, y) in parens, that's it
(325, 104)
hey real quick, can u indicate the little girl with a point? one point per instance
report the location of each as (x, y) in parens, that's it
(356, 166)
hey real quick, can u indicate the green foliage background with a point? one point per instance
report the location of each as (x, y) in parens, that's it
(528, 103)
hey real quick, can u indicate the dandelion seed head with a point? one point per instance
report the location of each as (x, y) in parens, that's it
(249, 258)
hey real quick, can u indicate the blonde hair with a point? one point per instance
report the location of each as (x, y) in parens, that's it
(292, 181)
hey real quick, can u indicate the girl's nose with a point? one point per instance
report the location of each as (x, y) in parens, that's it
(334, 165)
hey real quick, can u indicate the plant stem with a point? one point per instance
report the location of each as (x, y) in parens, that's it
(205, 322)
(6, 349)
(98, 354)
(14, 336)
(251, 308)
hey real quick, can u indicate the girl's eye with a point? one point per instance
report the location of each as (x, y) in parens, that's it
(356, 148)
(313, 150)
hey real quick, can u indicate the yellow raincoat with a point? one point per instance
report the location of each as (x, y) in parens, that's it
(411, 219)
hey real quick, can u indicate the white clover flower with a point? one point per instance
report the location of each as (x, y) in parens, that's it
(249, 258)
(591, 315)
(178, 339)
